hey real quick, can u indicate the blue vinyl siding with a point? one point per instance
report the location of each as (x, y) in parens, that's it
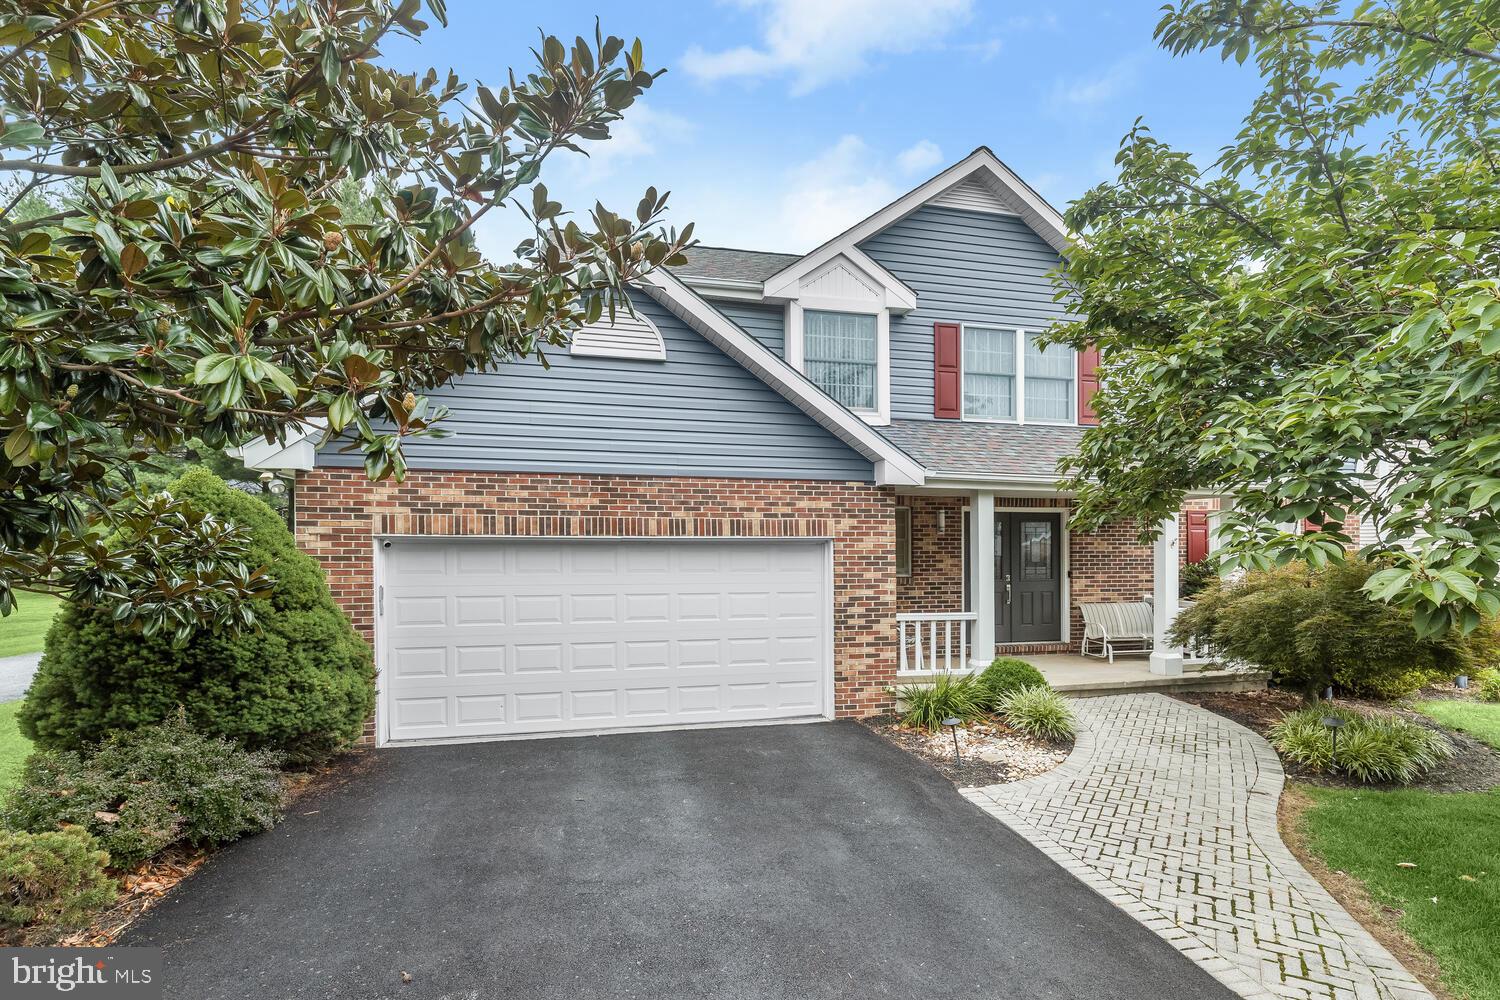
(766, 324)
(696, 414)
(966, 267)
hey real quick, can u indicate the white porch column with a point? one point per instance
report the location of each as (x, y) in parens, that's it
(982, 576)
(1165, 658)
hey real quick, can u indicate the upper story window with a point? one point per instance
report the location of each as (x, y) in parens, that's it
(841, 354)
(1008, 375)
(1049, 377)
(990, 374)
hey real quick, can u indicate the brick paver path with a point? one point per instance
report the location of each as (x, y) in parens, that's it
(1170, 811)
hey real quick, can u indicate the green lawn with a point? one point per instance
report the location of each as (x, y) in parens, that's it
(13, 746)
(1447, 837)
(1479, 719)
(23, 630)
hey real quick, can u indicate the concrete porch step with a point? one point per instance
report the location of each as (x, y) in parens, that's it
(1196, 681)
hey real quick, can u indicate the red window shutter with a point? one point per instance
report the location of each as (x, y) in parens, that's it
(945, 372)
(1197, 535)
(1088, 384)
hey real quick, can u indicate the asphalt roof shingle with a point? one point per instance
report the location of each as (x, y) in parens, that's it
(956, 446)
(734, 265)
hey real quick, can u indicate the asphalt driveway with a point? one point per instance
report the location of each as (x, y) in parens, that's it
(788, 861)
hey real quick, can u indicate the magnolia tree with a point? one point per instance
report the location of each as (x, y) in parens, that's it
(1311, 322)
(192, 275)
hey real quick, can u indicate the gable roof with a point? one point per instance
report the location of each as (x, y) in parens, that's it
(730, 264)
(980, 166)
(893, 466)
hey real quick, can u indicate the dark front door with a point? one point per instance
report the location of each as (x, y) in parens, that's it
(1028, 577)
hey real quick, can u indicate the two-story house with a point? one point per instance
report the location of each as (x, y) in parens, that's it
(786, 482)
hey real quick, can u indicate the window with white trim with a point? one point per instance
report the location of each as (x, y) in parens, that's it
(989, 373)
(1049, 374)
(1009, 375)
(841, 354)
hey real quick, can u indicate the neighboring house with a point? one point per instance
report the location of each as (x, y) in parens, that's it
(753, 500)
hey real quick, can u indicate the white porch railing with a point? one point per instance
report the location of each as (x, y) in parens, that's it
(932, 643)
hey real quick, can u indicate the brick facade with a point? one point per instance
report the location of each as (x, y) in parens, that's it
(339, 512)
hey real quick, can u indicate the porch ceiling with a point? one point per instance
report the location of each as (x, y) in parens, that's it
(964, 448)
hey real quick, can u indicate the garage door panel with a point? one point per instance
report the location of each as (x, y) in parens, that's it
(488, 638)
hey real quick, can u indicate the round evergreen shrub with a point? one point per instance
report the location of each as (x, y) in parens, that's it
(1009, 674)
(300, 681)
(55, 877)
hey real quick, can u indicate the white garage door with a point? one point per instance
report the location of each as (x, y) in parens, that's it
(490, 638)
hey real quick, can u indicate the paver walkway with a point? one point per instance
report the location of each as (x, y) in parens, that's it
(1170, 812)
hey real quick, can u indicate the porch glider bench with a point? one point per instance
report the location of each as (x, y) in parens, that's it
(1116, 627)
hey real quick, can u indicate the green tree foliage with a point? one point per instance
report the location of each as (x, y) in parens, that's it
(1312, 321)
(1313, 628)
(301, 681)
(257, 225)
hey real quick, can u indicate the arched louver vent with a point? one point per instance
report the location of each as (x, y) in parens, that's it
(633, 337)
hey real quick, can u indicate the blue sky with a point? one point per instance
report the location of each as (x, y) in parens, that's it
(781, 122)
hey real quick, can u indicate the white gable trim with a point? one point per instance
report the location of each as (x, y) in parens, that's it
(893, 467)
(982, 165)
(821, 281)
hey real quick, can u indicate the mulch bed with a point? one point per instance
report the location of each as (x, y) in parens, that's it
(991, 753)
(1474, 767)
(145, 886)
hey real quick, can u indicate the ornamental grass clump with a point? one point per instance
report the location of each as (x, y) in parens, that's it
(1373, 749)
(1487, 683)
(1040, 712)
(958, 696)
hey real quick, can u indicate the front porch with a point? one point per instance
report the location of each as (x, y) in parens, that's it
(1031, 604)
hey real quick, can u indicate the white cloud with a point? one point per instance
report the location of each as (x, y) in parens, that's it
(919, 156)
(1092, 90)
(831, 192)
(642, 132)
(816, 42)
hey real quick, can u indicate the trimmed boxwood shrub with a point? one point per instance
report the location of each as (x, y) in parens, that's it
(55, 877)
(301, 682)
(144, 790)
(1009, 674)
(1314, 628)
